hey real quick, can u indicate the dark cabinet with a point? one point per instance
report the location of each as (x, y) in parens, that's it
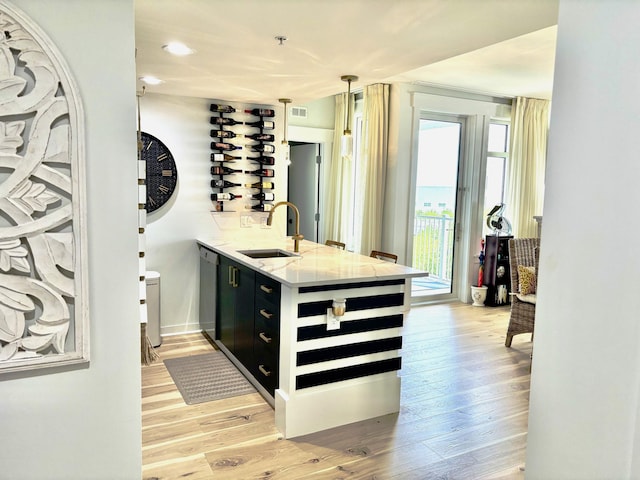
(266, 336)
(497, 276)
(236, 285)
(248, 320)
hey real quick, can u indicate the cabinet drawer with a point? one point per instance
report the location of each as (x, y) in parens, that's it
(266, 337)
(267, 290)
(267, 312)
(266, 367)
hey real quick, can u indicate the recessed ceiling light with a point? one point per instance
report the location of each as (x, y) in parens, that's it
(150, 80)
(177, 48)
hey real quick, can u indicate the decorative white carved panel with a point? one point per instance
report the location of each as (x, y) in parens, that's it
(43, 267)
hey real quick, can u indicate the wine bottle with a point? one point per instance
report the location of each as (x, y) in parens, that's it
(263, 159)
(263, 148)
(261, 207)
(261, 112)
(261, 137)
(223, 184)
(259, 185)
(263, 124)
(216, 197)
(224, 146)
(223, 134)
(266, 197)
(263, 172)
(223, 121)
(223, 171)
(223, 157)
(215, 107)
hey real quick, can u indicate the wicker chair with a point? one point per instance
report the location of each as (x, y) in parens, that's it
(525, 252)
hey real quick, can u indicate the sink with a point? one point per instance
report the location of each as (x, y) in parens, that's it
(273, 253)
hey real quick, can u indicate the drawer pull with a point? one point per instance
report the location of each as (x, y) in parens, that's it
(266, 314)
(265, 338)
(266, 289)
(264, 371)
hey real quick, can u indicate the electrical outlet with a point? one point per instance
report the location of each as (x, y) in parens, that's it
(246, 221)
(333, 322)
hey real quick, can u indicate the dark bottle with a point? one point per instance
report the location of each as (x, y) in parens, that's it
(263, 172)
(259, 185)
(223, 184)
(261, 112)
(215, 107)
(223, 134)
(223, 171)
(216, 197)
(261, 137)
(263, 159)
(224, 146)
(264, 124)
(266, 197)
(223, 157)
(263, 147)
(261, 207)
(223, 121)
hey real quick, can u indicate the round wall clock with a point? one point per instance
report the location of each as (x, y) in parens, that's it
(162, 174)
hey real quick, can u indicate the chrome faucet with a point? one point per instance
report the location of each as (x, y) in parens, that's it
(296, 237)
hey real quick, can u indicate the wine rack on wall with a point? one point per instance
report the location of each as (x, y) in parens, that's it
(242, 172)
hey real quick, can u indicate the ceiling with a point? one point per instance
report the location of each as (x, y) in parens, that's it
(498, 47)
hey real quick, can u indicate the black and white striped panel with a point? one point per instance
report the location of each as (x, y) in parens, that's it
(367, 342)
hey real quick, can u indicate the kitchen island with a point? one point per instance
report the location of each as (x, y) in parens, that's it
(275, 321)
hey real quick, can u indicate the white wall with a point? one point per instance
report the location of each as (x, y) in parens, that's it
(84, 422)
(320, 114)
(583, 420)
(182, 124)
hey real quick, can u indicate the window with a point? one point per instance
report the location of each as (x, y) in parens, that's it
(497, 157)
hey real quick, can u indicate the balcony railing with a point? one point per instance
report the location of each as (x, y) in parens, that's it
(433, 245)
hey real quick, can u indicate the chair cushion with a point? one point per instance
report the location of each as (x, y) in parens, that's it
(531, 298)
(527, 280)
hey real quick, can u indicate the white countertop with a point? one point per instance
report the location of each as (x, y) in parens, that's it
(315, 264)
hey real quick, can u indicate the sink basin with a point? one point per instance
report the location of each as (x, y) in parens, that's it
(273, 253)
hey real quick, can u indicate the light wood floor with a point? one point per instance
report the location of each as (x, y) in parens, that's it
(464, 409)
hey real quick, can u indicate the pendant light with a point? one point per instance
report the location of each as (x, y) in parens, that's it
(347, 139)
(285, 142)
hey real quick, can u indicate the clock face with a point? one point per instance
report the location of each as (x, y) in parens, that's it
(162, 174)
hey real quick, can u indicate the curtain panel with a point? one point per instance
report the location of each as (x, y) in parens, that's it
(527, 160)
(338, 198)
(373, 166)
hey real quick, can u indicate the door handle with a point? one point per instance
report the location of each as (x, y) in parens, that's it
(233, 281)
(264, 338)
(266, 289)
(264, 371)
(266, 314)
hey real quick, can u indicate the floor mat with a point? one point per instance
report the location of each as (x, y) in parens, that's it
(207, 377)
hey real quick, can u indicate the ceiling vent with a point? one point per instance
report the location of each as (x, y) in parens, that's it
(299, 112)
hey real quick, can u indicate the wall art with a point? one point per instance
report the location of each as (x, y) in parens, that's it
(43, 261)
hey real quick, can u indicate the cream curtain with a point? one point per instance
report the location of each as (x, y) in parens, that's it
(527, 159)
(338, 198)
(372, 166)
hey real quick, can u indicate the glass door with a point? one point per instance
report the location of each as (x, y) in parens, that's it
(435, 205)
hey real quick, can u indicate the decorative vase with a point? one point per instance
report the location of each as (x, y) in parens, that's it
(478, 295)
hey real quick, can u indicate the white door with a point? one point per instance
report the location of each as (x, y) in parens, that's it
(435, 205)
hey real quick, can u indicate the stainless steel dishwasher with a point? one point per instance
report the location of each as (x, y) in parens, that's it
(208, 278)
